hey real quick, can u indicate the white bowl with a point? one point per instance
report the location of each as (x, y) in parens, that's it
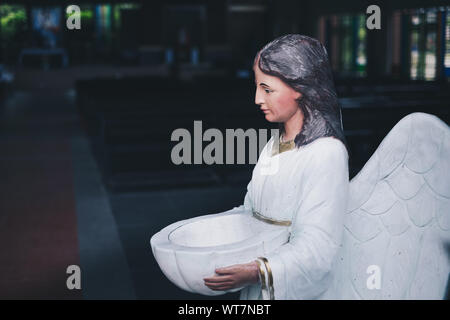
(190, 250)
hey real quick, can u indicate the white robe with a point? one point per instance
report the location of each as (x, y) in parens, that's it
(309, 187)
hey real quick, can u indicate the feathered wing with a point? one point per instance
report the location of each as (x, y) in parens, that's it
(397, 227)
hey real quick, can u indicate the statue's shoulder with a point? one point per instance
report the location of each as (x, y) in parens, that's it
(326, 145)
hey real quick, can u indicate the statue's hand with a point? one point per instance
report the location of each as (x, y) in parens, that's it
(235, 276)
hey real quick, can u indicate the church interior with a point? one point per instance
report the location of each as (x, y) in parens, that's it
(87, 113)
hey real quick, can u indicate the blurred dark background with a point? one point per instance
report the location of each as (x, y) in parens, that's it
(86, 118)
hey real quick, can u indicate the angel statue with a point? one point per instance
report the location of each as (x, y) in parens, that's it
(383, 235)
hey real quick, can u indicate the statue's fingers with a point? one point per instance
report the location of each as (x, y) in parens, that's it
(218, 279)
(219, 286)
(226, 270)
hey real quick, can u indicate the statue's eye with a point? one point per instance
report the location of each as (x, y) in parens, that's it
(267, 90)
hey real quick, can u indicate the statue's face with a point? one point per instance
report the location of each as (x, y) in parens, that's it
(276, 99)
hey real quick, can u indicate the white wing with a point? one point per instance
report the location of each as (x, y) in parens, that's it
(399, 217)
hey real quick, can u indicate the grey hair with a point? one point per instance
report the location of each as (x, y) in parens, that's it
(302, 63)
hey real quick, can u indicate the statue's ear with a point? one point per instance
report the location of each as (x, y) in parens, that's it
(297, 95)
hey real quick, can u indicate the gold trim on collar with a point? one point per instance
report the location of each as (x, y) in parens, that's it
(281, 147)
(258, 216)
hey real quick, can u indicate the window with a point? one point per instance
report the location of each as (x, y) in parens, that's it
(423, 44)
(13, 31)
(447, 43)
(345, 36)
(13, 20)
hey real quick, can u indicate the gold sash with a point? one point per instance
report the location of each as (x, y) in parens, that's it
(258, 216)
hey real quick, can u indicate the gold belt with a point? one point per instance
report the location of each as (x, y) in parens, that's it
(271, 221)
